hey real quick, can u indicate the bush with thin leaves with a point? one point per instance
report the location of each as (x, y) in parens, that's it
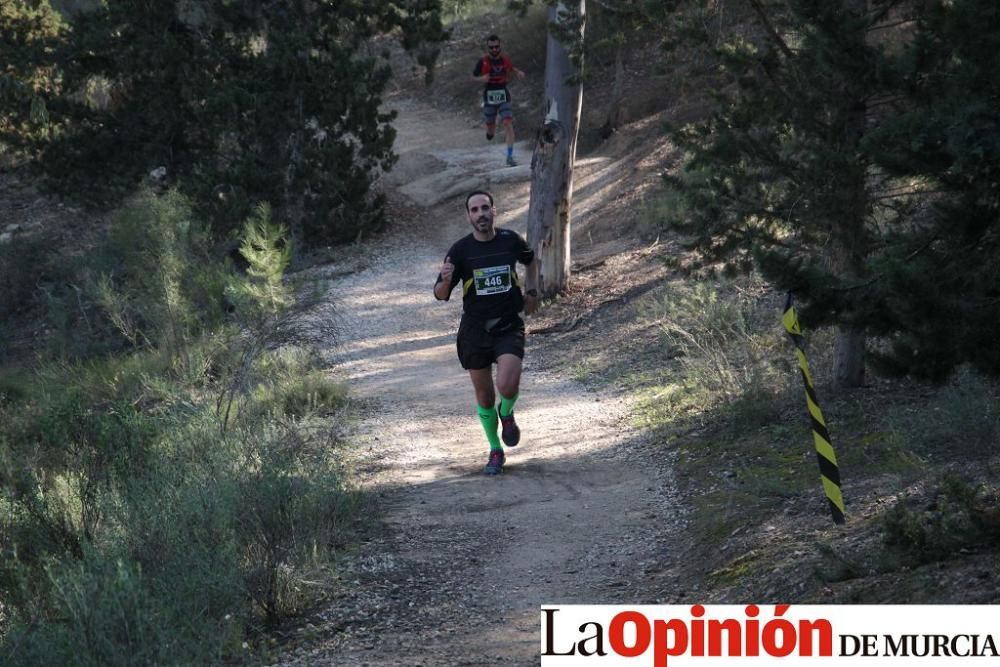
(139, 523)
(725, 337)
(267, 253)
(155, 279)
(925, 531)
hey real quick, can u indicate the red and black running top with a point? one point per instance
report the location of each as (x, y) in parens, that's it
(496, 68)
(487, 272)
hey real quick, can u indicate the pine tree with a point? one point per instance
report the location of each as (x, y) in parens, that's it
(611, 23)
(776, 178)
(855, 161)
(936, 293)
(239, 101)
(266, 249)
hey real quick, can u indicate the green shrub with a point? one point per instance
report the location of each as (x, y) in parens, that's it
(266, 250)
(109, 615)
(155, 279)
(222, 525)
(934, 529)
(292, 508)
(961, 421)
(309, 394)
(14, 383)
(139, 522)
(178, 524)
(27, 262)
(726, 337)
(150, 283)
(295, 385)
(661, 208)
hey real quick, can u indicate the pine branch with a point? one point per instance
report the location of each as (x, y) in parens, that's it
(879, 276)
(880, 101)
(775, 37)
(911, 193)
(611, 8)
(886, 26)
(882, 12)
(922, 248)
(777, 86)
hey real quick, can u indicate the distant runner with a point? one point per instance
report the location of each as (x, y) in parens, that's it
(492, 69)
(491, 330)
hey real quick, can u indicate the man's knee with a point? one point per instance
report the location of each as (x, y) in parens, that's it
(507, 384)
(509, 388)
(509, 381)
(486, 399)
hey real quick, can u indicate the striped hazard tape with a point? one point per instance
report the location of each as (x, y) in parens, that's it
(828, 470)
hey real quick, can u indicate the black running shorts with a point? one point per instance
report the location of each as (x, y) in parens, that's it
(479, 344)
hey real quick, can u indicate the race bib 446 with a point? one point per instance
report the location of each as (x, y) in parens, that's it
(492, 280)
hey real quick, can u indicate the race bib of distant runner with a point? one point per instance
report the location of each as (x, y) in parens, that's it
(493, 280)
(496, 96)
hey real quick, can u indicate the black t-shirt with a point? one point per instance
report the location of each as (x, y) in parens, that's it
(487, 272)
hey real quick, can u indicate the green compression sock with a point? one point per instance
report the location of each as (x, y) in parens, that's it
(507, 405)
(488, 418)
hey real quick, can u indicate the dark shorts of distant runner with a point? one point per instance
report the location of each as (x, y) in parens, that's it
(493, 106)
(480, 343)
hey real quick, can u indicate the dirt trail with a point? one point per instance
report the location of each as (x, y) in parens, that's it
(464, 561)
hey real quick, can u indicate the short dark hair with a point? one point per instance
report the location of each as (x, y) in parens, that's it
(478, 192)
(493, 38)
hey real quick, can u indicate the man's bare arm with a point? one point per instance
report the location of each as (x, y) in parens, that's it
(442, 290)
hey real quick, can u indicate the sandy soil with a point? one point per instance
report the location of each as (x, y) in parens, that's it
(463, 561)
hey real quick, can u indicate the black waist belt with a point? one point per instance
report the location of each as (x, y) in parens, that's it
(495, 325)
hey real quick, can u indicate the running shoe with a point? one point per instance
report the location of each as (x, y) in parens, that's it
(489, 137)
(495, 465)
(509, 432)
(511, 162)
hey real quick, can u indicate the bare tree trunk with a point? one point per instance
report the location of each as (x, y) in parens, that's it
(615, 112)
(849, 343)
(555, 149)
(849, 248)
(618, 90)
(850, 245)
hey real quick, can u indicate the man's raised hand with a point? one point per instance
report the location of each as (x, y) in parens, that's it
(447, 269)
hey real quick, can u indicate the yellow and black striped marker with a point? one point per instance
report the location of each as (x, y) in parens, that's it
(828, 470)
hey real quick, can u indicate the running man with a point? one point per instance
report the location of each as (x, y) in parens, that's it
(492, 69)
(491, 330)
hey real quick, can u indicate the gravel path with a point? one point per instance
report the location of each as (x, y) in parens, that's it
(580, 514)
